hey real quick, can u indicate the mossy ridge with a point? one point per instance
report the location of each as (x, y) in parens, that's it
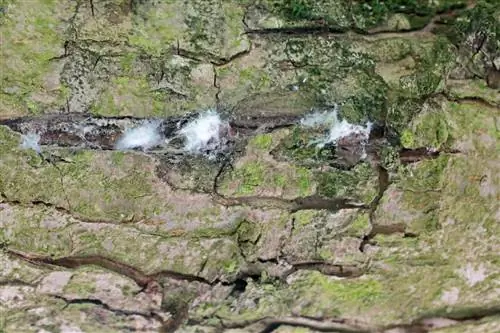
(313, 293)
(140, 89)
(252, 176)
(360, 227)
(422, 185)
(113, 198)
(467, 199)
(26, 56)
(359, 14)
(442, 124)
(430, 71)
(359, 183)
(140, 250)
(465, 89)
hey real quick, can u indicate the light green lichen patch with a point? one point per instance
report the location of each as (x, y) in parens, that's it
(474, 127)
(25, 176)
(106, 21)
(432, 127)
(97, 191)
(487, 325)
(361, 292)
(265, 177)
(82, 284)
(156, 28)
(422, 185)
(262, 141)
(126, 96)
(443, 124)
(311, 294)
(214, 27)
(44, 232)
(360, 226)
(209, 29)
(250, 74)
(170, 86)
(473, 89)
(32, 34)
(305, 217)
(90, 185)
(470, 197)
(35, 230)
(386, 50)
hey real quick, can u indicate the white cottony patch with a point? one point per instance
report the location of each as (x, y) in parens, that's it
(319, 119)
(31, 140)
(204, 133)
(145, 136)
(338, 129)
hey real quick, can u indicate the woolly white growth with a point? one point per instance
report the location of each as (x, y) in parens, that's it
(319, 118)
(145, 136)
(31, 140)
(338, 129)
(342, 129)
(203, 133)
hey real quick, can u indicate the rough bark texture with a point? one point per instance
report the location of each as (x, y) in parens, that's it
(400, 233)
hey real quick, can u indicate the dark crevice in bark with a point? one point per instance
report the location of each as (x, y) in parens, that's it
(207, 57)
(292, 205)
(423, 324)
(4, 198)
(383, 184)
(470, 99)
(100, 303)
(17, 283)
(270, 324)
(218, 87)
(323, 29)
(140, 278)
(67, 211)
(92, 9)
(344, 271)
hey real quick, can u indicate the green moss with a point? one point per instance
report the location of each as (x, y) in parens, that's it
(304, 217)
(298, 9)
(407, 139)
(118, 157)
(31, 36)
(433, 130)
(230, 266)
(248, 232)
(430, 71)
(424, 176)
(304, 181)
(9, 140)
(251, 175)
(127, 61)
(262, 141)
(343, 293)
(153, 29)
(360, 226)
(279, 180)
(353, 183)
(81, 286)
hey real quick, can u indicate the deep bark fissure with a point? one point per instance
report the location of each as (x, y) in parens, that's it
(104, 305)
